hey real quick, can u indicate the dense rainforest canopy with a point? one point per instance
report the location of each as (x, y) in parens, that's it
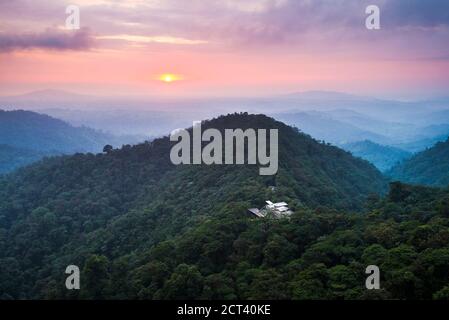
(140, 227)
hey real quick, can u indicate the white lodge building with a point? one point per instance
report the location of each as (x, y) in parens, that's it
(275, 210)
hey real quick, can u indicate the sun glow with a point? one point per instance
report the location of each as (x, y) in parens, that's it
(169, 77)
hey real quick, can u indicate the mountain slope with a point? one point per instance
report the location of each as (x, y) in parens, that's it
(317, 254)
(12, 158)
(323, 127)
(383, 157)
(391, 130)
(60, 211)
(34, 131)
(421, 144)
(429, 167)
(27, 136)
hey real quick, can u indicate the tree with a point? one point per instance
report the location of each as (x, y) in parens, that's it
(185, 283)
(108, 148)
(219, 286)
(374, 254)
(443, 207)
(279, 251)
(95, 277)
(342, 280)
(267, 285)
(442, 294)
(311, 284)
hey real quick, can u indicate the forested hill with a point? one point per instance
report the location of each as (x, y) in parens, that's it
(121, 203)
(429, 167)
(42, 133)
(383, 157)
(26, 137)
(12, 158)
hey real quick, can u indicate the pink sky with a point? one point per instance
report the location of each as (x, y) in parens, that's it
(222, 48)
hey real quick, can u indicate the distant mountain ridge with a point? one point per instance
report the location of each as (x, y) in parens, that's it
(383, 157)
(429, 167)
(411, 126)
(12, 158)
(324, 95)
(27, 136)
(47, 95)
(323, 127)
(31, 130)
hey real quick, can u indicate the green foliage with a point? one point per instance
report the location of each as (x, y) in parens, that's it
(429, 167)
(186, 282)
(12, 158)
(443, 294)
(95, 277)
(141, 228)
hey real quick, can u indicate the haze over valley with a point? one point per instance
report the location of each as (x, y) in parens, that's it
(341, 119)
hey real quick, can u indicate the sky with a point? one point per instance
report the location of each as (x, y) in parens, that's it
(225, 47)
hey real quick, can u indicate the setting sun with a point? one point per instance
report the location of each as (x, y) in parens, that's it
(169, 77)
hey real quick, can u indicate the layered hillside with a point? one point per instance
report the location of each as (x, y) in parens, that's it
(27, 136)
(429, 167)
(121, 203)
(323, 126)
(12, 158)
(383, 157)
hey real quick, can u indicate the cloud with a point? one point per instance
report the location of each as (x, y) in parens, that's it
(416, 13)
(50, 39)
(306, 25)
(151, 39)
(253, 6)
